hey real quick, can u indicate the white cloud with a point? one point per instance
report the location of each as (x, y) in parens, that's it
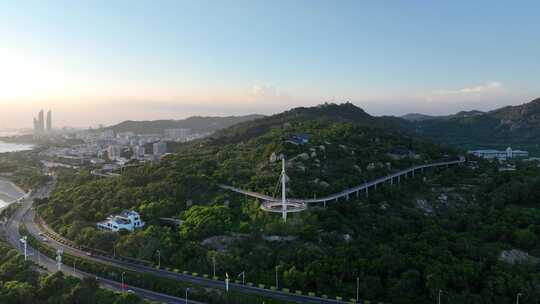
(267, 93)
(482, 88)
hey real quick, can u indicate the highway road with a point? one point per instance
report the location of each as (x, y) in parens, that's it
(25, 215)
(11, 230)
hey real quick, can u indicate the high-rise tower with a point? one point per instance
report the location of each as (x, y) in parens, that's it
(49, 121)
(41, 121)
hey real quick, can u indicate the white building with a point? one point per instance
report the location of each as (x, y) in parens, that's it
(499, 154)
(160, 148)
(127, 220)
(114, 151)
(177, 134)
(138, 152)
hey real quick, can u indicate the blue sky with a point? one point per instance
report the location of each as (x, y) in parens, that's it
(171, 59)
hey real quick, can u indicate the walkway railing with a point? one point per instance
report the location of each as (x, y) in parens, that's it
(346, 193)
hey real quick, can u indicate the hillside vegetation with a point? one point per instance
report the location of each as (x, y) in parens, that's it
(443, 230)
(197, 124)
(516, 126)
(21, 283)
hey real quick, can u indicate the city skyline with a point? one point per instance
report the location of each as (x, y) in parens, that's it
(147, 61)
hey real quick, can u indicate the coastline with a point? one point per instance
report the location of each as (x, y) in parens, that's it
(7, 147)
(9, 193)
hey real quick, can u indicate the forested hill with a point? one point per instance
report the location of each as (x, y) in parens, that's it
(324, 115)
(516, 126)
(443, 230)
(197, 124)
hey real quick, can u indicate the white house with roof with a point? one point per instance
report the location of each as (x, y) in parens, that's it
(127, 220)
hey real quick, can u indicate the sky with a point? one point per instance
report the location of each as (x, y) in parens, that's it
(101, 62)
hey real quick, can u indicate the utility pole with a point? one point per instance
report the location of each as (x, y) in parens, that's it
(283, 190)
(227, 282)
(243, 274)
(439, 297)
(74, 261)
(517, 297)
(214, 265)
(187, 289)
(277, 286)
(159, 258)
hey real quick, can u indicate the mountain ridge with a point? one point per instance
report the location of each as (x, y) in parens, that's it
(198, 124)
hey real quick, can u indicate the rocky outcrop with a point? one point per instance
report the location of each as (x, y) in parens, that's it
(516, 256)
(278, 238)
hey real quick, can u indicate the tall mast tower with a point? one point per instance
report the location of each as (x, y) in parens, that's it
(283, 190)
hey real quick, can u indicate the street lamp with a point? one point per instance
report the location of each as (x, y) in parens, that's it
(123, 273)
(439, 297)
(187, 289)
(277, 287)
(243, 274)
(358, 289)
(159, 258)
(214, 265)
(517, 297)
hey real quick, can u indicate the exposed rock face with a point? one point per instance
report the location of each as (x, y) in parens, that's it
(423, 205)
(324, 184)
(516, 256)
(303, 156)
(218, 242)
(277, 238)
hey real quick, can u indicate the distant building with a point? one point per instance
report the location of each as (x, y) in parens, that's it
(160, 148)
(39, 124)
(180, 134)
(114, 152)
(138, 152)
(49, 121)
(41, 121)
(299, 139)
(499, 154)
(127, 220)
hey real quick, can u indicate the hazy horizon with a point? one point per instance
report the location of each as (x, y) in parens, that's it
(105, 62)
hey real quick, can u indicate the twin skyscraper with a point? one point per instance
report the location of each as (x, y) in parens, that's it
(40, 125)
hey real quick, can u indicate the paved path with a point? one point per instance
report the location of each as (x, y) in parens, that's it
(11, 228)
(347, 192)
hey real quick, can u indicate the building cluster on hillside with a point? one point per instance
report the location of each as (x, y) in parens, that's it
(499, 154)
(127, 220)
(110, 151)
